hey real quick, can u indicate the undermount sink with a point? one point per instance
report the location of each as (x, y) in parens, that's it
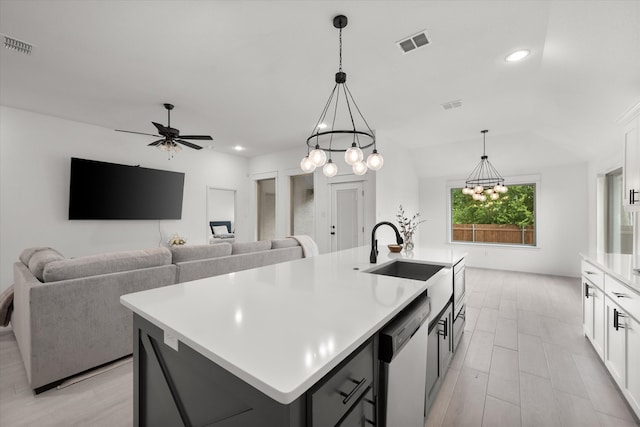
(407, 270)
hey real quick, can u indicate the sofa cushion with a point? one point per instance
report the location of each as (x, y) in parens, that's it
(195, 252)
(40, 259)
(25, 256)
(249, 247)
(284, 243)
(106, 263)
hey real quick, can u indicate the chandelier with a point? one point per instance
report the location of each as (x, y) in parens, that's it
(341, 137)
(484, 180)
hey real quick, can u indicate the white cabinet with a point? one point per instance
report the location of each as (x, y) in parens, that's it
(593, 306)
(615, 343)
(631, 165)
(611, 321)
(633, 368)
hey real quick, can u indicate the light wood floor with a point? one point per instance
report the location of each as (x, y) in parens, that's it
(522, 361)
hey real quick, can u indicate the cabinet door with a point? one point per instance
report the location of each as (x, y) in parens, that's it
(615, 343)
(445, 348)
(598, 321)
(587, 308)
(633, 366)
(362, 414)
(432, 365)
(631, 167)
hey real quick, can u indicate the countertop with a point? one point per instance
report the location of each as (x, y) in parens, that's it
(282, 327)
(619, 266)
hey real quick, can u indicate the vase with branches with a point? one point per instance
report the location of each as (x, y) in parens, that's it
(408, 227)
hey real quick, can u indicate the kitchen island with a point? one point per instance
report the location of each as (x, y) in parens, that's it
(252, 347)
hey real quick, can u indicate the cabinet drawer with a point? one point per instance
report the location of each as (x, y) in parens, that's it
(342, 388)
(627, 299)
(594, 274)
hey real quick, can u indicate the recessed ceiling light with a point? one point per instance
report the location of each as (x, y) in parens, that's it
(238, 148)
(518, 55)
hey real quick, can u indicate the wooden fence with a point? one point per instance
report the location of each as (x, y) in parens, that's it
(494, 233)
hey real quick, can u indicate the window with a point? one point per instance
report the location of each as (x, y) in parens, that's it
(618, 225)
(510, 220)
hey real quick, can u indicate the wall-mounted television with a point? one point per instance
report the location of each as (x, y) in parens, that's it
(100, 190)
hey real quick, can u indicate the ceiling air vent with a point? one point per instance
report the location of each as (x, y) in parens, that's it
(451, 105)
(17, 45)
(413, 42)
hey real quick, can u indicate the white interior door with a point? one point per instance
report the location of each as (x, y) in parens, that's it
(347, 215)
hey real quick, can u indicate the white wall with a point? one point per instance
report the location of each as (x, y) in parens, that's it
(561, 221)
(35, 152)
(396, 184)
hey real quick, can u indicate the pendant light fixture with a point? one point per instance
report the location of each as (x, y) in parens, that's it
(341, 137)
(484, 180)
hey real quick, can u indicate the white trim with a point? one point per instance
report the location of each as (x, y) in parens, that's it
(629, 114)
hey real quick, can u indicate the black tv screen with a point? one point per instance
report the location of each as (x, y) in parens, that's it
(100, 190)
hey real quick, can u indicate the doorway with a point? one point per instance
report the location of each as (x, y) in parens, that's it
(347, 215)
(266, 192)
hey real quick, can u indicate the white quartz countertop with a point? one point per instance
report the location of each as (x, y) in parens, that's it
(282, 327)
(620, 266)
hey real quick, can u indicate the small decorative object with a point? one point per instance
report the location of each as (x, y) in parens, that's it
(394, 248)
(408, 227)
(177, 240)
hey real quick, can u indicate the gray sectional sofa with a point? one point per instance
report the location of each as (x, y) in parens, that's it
(67, 314)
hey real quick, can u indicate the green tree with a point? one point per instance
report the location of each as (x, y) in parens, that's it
(516, 206)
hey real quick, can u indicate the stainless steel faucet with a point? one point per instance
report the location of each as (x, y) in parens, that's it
(373, 258)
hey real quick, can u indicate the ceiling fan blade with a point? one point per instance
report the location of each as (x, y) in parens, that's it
(188, 144)
(154, 143)
(139, 133)
(201, 137)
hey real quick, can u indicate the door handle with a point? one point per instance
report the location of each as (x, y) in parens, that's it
(333, 233)
(444, 332)
(586, 290)
(616, 319)
(348, 396)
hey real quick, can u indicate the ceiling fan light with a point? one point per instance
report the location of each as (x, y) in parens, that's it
(330, 169)
(307, 165)
(318, 156)
(359, 168)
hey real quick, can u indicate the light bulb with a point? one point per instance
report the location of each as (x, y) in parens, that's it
(494, 196)
(375, 161)
(464, 190)
(475, 196)
(496, 188)
(307, 165)
(482, 197)
(353, 155)
(503, 189)
(330, 169)
(176, 148)
(318, 156)
(359, 168)
(479, 189)
(489, 190)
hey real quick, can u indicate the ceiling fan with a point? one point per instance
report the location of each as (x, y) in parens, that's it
(170, 137)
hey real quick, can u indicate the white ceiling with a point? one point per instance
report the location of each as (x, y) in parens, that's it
(257, 73)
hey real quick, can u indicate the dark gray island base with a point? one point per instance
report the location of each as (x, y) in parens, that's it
(174, 388)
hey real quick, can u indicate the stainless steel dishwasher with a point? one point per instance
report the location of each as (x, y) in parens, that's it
(403, 366)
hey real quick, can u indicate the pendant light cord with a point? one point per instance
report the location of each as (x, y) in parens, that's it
(340, 37)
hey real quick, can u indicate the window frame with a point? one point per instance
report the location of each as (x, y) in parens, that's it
(509, 180)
